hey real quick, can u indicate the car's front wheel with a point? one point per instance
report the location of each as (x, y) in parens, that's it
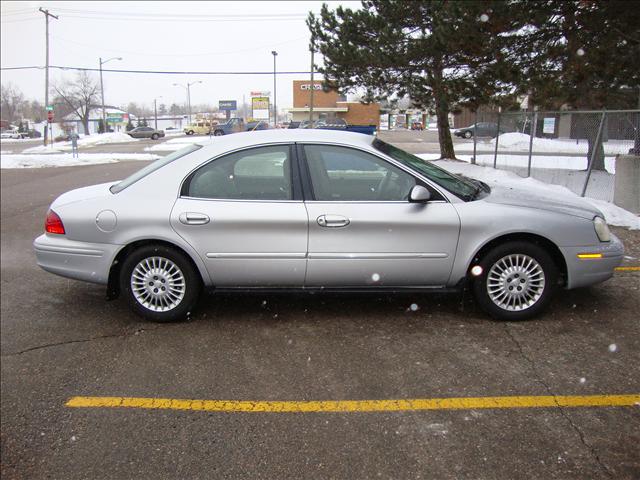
(218, 133)
(154, 136)
(468, 134)
(517, 282)
(160, 283)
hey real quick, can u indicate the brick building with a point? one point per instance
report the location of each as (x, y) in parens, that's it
(330, 104)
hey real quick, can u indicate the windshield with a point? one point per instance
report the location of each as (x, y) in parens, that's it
(452, 183)
(152, 167)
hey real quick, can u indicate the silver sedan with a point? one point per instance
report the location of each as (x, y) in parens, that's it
(319, 210)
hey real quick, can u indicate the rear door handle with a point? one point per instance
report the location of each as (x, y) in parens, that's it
(193, 218)
(333, 221)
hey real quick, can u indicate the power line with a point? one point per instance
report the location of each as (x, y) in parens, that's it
(155, 72)
(146, 54)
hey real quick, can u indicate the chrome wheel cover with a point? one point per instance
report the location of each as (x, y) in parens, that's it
(158, 284)
(515, 282)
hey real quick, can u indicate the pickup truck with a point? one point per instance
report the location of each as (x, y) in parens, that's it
(235, 125)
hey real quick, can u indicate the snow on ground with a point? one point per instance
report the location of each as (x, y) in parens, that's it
(67, 160)
(20, 140)
(174, 144)
(88, 141)
(519, 142)
(541, 161)
(613, 214)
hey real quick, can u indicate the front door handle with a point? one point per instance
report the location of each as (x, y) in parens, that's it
(193, 218)
(333, 221)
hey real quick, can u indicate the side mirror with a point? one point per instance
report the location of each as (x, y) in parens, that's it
(419, 194)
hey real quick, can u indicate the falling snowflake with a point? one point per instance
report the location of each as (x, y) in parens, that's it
(580, 52)
(613, 347)
(484, 17)
(375, 277)
(414, 307)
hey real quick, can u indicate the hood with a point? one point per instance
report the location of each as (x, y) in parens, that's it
(542, 201)
(84, 193)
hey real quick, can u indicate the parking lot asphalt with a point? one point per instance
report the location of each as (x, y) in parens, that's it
(61, 339)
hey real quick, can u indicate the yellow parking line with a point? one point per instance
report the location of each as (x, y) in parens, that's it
(628, 269)
(358, 405)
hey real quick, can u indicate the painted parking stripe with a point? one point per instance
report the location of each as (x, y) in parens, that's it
(628, 269)
(468, 403)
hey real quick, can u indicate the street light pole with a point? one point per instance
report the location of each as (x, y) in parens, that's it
(104, 116)
(155, 110)
(275, 107)
(188, 89)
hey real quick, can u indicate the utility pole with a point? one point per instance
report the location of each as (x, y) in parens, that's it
(311, 92)
(46, 75)
(155, 110)
(275, 108)
(104, 116)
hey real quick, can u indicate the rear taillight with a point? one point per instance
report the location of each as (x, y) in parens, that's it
(53, 224)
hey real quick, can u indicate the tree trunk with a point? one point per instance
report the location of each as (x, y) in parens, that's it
(444, 133)
(85, 124)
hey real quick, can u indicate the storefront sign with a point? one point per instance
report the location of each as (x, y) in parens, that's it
(307, 86)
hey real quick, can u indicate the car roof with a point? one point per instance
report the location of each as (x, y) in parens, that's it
(258, 137)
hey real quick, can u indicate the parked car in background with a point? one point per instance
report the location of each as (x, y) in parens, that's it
(318, 210)
(417, 126)
(14, 134)
(199, 128)
(146, 132)
(294, 125)
(483, 129)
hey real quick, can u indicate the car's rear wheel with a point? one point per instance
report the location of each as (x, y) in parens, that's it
(190, 132)
(160, 283)
(218, 133)
(154, 136)
(468, 134)
(517, 282)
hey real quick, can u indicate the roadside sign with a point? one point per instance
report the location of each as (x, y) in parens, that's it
(49, 108)
(50, 116)
(227, 105)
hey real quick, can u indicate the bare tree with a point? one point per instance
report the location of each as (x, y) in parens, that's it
(80, 96)
(11, 102)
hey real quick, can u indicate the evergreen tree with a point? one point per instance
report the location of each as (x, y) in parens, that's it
(101, 128)
(139, 122)
(440, 53)
(144, 122)
(129, 126)
(578, 54)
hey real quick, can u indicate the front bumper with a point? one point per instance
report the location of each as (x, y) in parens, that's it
(589, 271)
(89, 262)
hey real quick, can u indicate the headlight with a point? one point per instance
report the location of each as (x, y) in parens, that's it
(602, 230)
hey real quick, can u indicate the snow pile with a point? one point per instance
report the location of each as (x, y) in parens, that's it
(174, 144)
(519, 142)
(67, 160)
(614, 215)
(88, 141)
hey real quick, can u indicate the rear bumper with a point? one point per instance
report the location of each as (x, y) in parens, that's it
(584, 272)
(89, 262)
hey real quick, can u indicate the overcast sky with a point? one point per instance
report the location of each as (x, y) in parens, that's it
(168, 36)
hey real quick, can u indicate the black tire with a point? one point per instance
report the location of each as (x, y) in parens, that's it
(468, 134)
(190, 287)
(537, 302)
(154, 136)
(218, 133)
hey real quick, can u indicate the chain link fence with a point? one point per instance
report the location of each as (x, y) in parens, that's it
(575, 149)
